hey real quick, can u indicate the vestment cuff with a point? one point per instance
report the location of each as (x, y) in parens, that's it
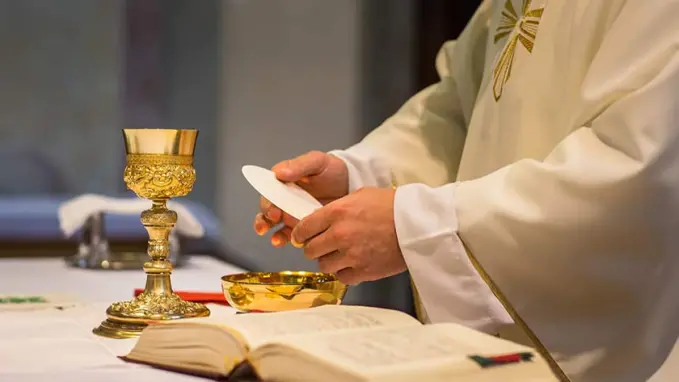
(449, 287)
(366, 168)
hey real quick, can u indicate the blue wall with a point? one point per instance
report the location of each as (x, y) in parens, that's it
(59, 96)
(61, 92)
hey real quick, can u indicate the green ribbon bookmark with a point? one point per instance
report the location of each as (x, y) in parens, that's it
(22, 300)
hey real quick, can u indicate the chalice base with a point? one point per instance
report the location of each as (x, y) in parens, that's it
(127, 319)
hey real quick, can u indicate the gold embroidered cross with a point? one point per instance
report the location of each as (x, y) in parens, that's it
(521, 28)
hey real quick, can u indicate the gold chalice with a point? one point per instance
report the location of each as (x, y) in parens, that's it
(279, 291)
(159, 167)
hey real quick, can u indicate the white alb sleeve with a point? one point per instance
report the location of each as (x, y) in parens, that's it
(449, 287)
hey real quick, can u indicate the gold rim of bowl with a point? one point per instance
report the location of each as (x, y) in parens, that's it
(247, 278)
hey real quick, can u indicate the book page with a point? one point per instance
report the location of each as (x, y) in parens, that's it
(257, 328)
(400, 350)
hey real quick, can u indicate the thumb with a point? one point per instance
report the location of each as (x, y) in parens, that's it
(309, 164)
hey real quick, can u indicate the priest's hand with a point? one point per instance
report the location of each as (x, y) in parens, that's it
(354, 237)
(324, 176)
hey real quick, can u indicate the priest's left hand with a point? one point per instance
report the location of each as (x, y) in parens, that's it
(354, 237)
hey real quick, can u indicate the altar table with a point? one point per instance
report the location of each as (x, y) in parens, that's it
(58, 345)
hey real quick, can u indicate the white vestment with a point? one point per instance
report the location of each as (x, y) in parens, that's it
(550, 148)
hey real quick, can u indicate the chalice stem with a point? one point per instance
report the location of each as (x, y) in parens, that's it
(158, 221)
(158, 284)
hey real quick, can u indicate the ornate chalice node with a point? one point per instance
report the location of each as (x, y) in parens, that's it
(159, 167)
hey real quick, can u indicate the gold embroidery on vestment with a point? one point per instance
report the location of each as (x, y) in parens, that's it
(520, 28)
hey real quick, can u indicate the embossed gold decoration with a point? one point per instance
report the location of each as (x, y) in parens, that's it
(159, 167)
(279, 291)
(521, 28)
(158, 176)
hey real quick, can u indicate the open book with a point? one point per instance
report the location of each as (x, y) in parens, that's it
(338, 343)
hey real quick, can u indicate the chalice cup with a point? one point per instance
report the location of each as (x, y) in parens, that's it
(159, 167)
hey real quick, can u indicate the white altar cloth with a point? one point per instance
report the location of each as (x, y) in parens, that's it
(58, 345)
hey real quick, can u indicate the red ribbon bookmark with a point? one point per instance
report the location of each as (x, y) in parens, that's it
(502, 359)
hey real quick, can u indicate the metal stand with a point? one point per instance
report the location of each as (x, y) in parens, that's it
(94, 251)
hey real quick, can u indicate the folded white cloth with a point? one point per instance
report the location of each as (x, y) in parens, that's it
(74, 213)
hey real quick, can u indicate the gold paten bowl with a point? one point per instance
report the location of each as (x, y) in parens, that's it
(279, 291)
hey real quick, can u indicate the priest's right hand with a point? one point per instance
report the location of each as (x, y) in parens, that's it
(322, 175)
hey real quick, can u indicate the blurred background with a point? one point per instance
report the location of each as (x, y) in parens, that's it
(263, 80)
